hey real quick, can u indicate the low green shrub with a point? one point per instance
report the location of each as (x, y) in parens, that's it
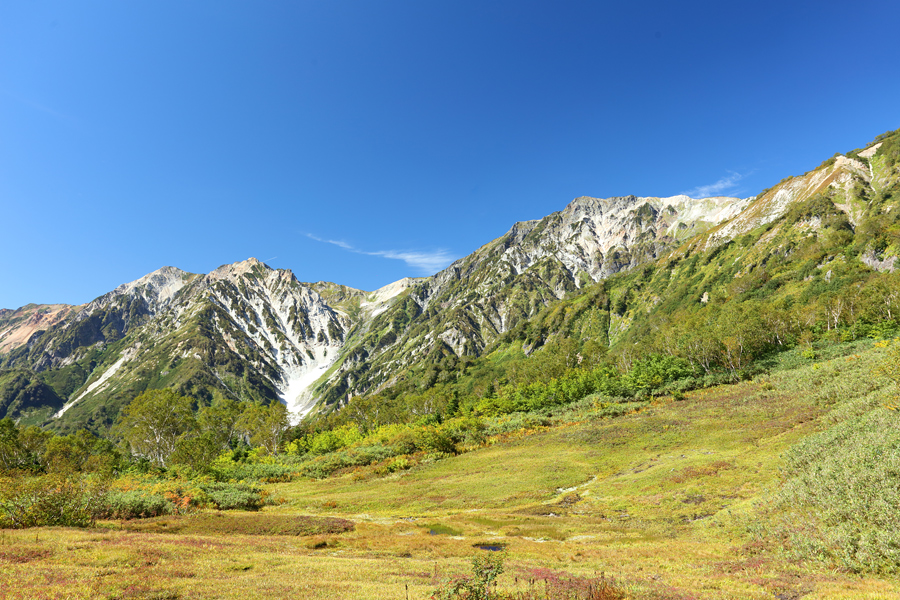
(136, 504)
(70, 501)
(648, 376)
(323, 466)
(234, 496)
(486, 567)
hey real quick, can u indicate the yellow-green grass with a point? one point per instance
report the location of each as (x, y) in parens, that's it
(663, 500)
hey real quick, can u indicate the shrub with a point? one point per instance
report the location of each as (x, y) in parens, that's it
(326, 441)
(401, 463)
(234, 496)
(648, 376)
(261, 472)
(136, 504)
(486, 567)
(436, 439)
(70, 501)
(467, 431)
(553, 585)
(323, 466)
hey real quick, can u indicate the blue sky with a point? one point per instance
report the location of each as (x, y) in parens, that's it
(364, 141)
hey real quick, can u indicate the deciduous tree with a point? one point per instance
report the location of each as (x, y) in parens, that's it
(153, 422)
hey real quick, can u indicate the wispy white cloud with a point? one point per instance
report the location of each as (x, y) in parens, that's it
(723, 185)
(40, 107)
(338, 243)
(426, 263)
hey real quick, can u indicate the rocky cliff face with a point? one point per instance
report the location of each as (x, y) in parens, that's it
(17, 326)
(105, 320)
(599, 237)
(295, 334)
(255, 333)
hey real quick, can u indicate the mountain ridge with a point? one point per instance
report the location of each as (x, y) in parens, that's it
(254, 333)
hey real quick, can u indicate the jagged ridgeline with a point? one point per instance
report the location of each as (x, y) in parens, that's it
(630, 275)
(244, 331)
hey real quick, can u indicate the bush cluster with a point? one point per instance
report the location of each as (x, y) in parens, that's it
(29, 501)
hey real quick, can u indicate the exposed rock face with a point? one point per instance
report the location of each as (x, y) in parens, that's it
(253, 332)
(17, 326)
(841, 176)
(600, 237)
(879, 263)
(296, 335)
(154, 290)
(244, 330)
(104, 320)
(378, 301)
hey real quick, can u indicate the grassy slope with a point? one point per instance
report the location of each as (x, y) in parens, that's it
(664, 500)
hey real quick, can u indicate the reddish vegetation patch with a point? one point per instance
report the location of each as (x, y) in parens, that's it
(695, 472)
(228, 524)
(558, 585)
(23, 555)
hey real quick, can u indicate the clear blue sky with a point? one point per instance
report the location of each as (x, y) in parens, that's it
(135, 135)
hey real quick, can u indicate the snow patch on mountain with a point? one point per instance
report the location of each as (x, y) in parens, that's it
(295, 392)
(101, 383)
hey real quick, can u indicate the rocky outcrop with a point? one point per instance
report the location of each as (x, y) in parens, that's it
(17, 326)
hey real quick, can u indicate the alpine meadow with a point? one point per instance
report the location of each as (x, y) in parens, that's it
(634, 397)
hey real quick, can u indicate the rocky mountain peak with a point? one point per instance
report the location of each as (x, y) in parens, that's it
(155, 289)
(234, 271)
(161, 285)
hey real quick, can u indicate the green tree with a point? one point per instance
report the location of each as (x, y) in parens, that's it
(698, 343)
(152, 424)
(68, 453)
(265, 425)
(21, 449)
(221, 420)
(197, 451)
(741, 335)
(11, 453)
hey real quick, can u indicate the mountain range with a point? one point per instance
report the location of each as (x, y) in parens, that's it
(254, 333)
